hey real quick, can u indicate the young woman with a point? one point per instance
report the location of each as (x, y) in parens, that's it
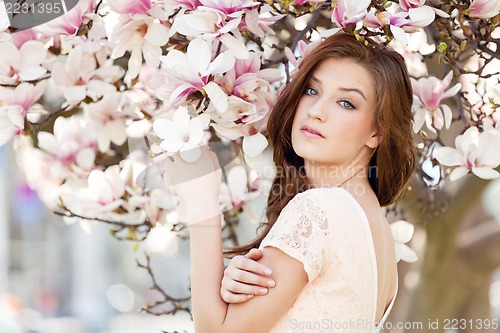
(342, 139)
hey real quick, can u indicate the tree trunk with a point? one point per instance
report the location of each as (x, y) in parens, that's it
(454, 280)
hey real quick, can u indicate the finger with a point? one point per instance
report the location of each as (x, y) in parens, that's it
(232, 298)
(236, 287)
(248, 278)
(252, 266)
(254, 254)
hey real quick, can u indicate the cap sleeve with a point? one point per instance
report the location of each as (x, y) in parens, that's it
(300, 231)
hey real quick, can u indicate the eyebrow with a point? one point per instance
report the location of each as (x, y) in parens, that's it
(315, 79)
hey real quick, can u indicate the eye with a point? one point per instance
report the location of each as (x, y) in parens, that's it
(347, 105)
(311, 91)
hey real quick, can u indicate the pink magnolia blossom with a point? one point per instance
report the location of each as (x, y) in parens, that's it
(14, 107)
(474, 151)
(21, 64)
(109, 120)
(182, 133)
(71, 148)
(23, 36)
(189, 4)
(70, 22)
(407, 4)
(258, 19)
(130, 7)
(213, 23)
(401, 22)
(347, 13)
(484, 9)
(429, 93)
(102, 195)
(143, 36)
(189, 72)
(79, 77)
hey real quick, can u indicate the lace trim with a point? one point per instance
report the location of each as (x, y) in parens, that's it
(300, 232)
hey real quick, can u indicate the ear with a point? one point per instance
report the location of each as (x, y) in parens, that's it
(375, 139)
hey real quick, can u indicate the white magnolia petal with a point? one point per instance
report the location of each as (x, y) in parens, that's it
(75, 94)
(422, 16)
(399, 34)
(190, 152)
(448, 156)
(181, 119)
(15, 115)
(405, 253)
(448, 115)
(162, 127)
(223, 63)
(86, 158)
(236, 46)
(402, 231)
(157, 34)
(419, 119)
(254, 145)
(217, 96)
(117, 131)
(452, 91)
(151, 54)
(173, 144)
(33, 53)
(458, 173)
(32, 73)
(199, 55)
(47, 142)
(485, 172)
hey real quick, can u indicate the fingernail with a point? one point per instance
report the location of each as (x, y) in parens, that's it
(250, 296)
(271, 283)
(268, 271)
(263, 291)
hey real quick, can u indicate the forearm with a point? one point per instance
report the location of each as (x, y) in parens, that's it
(207, 268)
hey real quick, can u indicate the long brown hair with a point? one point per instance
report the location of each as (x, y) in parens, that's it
(394, 158)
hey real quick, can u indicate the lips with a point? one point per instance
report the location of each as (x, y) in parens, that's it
(311, 130)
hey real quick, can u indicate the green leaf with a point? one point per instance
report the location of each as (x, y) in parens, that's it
(442, 47)
(136, 247)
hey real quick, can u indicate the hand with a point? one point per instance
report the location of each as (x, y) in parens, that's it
(245, 277)
(197, 185)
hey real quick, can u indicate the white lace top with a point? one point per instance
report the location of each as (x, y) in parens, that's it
(327, 230)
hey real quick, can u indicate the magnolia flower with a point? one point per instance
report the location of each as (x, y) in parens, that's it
(474, 151)
(103, 194)
(79, 78)
(14, 107)
(348, 13)
(429, 92)
(109, 120)
(130, 7)
(401, 22)
(21, 64)
(484, 9)
(402, 232)
(71, 147)
(143, 37)
(191, 71)
(70, 22)
(182, 134)
(211, 23)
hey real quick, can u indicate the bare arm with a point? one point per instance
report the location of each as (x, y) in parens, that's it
(198, 185)
(260, 314)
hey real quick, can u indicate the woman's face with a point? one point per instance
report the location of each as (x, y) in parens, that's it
(339, 103)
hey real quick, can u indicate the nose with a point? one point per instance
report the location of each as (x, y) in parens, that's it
(318, 110)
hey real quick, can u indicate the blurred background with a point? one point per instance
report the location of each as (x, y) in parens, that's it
(60, 278)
